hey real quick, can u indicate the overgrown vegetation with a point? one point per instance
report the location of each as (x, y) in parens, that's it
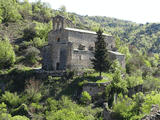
(24, 28)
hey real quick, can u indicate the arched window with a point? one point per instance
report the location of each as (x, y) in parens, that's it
(81, 47)
(91, 48)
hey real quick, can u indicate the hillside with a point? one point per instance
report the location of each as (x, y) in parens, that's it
(144, 36)
(30, 93)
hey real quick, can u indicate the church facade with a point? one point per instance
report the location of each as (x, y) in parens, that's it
(70, 48)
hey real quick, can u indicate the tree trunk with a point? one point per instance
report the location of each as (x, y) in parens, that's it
(100, 75)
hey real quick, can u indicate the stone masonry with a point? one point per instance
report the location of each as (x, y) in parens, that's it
(70, 48)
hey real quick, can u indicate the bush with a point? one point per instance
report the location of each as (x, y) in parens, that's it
(11, 99)
(7, 55)
(151, 83)
(32, 55)
(9, 11)
(133, 81)
(127, 108)
(18, 117)
(38, 42)
(29, 32)
(66, 109)
(86, 98)
(33, 90)
(150, 99)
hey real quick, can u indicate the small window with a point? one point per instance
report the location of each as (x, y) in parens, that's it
(57, 66)
(91, 48)
(80, 57)
(58, 39)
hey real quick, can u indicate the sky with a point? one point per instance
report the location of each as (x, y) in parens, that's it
(140, 11)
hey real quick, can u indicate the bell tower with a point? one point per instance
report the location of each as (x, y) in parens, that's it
(59, 22)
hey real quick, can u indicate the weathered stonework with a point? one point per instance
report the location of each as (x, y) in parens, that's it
(70, 48)
(96, 90)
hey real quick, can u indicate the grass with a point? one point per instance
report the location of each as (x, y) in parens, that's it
(102, 81)
(94, 77)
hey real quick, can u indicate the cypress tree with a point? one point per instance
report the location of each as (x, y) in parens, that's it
(101, 62)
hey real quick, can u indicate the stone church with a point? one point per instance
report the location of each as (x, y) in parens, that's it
(70, 48)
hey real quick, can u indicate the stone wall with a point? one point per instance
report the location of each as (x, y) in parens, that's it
(87, 39)
(116, 55)
(82, 58)
(96, 90)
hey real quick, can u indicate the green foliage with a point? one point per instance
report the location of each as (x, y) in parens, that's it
(7, 55)
(133, 81)
(125, 50)
(18, 117)
(41, 12)
(33, 90)
(9, 11)
(3, 108)
(32, 55)
(117, 86)
(42, 29)
(25, 9)
(11, 99)
(38, 42)
(129, 108)
(101, 61)
(150, 99)
(1, 18)
(85, 98)
(151, 83)
(68, 110)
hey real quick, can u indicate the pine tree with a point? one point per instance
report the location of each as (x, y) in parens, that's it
(101, 62)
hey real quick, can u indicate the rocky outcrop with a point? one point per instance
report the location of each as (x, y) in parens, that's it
(154, 115)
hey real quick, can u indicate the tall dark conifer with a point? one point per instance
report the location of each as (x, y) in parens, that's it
(101, 61)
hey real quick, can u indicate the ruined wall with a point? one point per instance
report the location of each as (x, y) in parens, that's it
(96, 91)
(120, 57)
(47, 60)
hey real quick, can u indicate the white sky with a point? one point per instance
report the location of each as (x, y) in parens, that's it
(140, 11)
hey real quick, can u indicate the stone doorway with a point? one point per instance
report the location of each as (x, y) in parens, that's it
(57, 66)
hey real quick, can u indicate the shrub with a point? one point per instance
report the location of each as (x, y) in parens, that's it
(38, 42)
(133, 81)
(18, 117)
(9, 11)
(29, 32)
(33, 90)
(7, 55)
(150, 99)
(129, 108)
(86, 98)
(11, 99)
(32, 55)
(66, 109)
(151, 83)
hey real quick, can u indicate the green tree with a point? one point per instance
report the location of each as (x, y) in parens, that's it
(32, 55)
(117, 86)
(9, 10)
(86, 98)
(101, 62)
(7, 55)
